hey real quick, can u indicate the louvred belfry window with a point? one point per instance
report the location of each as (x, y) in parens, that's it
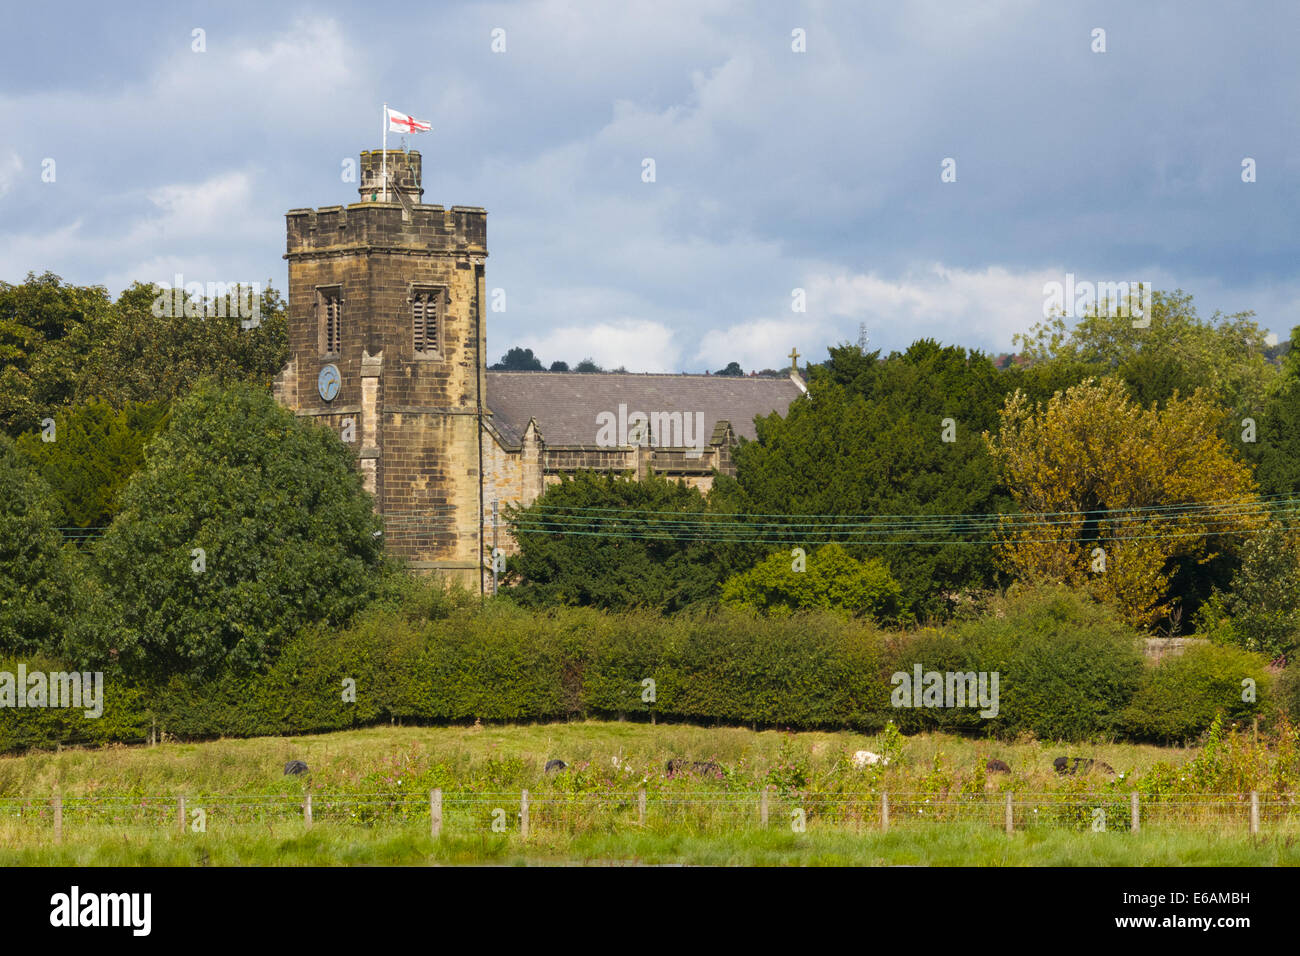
(329, 304)
(426, 306)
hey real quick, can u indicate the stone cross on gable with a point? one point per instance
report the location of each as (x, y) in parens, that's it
(794, 360)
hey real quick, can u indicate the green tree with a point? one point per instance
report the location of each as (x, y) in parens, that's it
(137, 354)
(1276, 449)
(830, 579)
(519, 360)
(609, 541)
(245, 524)
(35, 600)
(1261, 609)
(1177, 351)
(43, 331)
(1100, 478)
(871, 440)
(95, 451)
(733, 370)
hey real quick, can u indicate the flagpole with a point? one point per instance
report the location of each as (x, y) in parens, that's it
(383, 162)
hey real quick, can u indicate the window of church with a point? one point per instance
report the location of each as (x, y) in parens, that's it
(329, 306)
(426, 316)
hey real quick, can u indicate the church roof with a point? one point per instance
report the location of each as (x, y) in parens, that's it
(566, 404)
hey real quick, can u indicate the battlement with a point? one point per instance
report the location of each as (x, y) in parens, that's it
(377, 226)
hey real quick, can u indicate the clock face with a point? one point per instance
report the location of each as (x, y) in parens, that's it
(328, 382)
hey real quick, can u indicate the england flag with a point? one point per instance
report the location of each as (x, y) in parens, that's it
(401, 123)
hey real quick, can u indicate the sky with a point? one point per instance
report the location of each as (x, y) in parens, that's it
(798, 146)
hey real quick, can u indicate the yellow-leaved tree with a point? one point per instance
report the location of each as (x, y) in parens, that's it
(1110, 493)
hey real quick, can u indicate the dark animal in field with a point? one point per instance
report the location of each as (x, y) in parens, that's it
(706, 768)
(555, 766)
(1085, 764)
(996, 766)
(294, 767)
(1081, 765)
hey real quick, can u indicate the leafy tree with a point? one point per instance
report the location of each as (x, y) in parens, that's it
(42, 326)
(733, 369)
(1276, 450)
(831, 580)
(518, 360)
(559, 366)
(1090, 450)
(95, 451)
(138, 355)
(1261, 610)
(245, 524)
(587, 365)
(1178, 351)
(869, 441)
(612, 542)
(34, 583)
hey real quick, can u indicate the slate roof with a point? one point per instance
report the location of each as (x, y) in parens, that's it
(566, 404)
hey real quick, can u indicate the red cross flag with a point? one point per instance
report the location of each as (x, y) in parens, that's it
(401, 123)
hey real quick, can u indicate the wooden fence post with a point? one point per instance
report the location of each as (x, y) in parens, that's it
(180, 815)
(435, 813)
(640, 806)
(523, 815)
(58, 818)
(1135, 823)
(306, 808)
(1254, 811)
(1011, 814)
(762, 807)
(884, 811)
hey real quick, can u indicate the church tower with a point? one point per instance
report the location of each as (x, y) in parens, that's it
(386, 344)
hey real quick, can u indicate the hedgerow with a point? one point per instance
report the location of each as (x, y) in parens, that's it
(1068, 669)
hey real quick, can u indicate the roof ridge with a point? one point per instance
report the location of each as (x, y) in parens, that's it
(723, 378)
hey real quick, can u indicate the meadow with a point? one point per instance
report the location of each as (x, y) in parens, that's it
(617, 804)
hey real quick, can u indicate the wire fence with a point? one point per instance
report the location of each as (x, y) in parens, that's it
(525, 813)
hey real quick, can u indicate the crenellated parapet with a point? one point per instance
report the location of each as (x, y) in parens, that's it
(379, 227)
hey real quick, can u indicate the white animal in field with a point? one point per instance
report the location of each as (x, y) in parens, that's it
(867, 758)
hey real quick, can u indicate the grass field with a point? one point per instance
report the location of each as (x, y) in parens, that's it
(940, 845)
(465, 755)
(370, 792)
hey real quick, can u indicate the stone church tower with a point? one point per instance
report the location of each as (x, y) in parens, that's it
(386, 344)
